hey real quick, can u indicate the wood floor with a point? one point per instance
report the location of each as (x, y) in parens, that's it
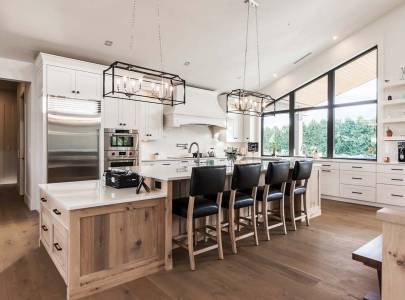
(312, 263)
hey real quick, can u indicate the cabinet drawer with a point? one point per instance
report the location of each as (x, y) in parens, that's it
(358, 178)
(357, 192)
(46, 227)
(358, 167)
(330, 182)
(390, 194)
(57, 212)
(60, 248)
(325, 165)
(393, 169)
(394, 179)
(43, 199)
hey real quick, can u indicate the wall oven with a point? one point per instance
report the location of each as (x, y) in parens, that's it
(121, 148)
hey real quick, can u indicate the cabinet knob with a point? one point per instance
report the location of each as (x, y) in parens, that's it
(44, 228)
(57, 212)
(43, 199)
(74, 92)
(57, 246)
(77, 92)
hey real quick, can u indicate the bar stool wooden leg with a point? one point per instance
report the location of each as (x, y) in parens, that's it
(306, 209)
(231, 226)
(237, 218)
(190, 242)
(266, 218)
(254, 217)
(282, 214)
(292, 206)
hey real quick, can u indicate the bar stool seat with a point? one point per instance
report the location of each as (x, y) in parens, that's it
(203, 206)
(241, 200)
(299, 190)
(274, 194)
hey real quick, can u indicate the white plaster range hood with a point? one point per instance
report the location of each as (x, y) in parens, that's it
(201, 108)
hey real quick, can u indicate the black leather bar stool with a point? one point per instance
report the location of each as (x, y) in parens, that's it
(245, 180)
(298, 187)
(274, 190)
(206, 188)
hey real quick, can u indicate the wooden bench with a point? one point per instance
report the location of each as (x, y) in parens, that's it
(370, 254)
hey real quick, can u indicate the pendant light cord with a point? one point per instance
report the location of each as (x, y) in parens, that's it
(131, 39)
(258, 51)
(159, 35)
(246, 46)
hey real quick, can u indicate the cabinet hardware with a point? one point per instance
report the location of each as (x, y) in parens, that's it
(44, 228)
(359, 193)
(357, 178)
(327, 171)
(43, 199)
(357, 167)
(57, 246)
(73, 92)
(394, 169)
(57, 212)
(326, 165)
(395, 195)
(77, 92)
(396, 179)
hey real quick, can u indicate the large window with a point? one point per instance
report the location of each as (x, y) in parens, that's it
(334, 115)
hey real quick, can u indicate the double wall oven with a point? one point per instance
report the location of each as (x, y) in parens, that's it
(121, 148)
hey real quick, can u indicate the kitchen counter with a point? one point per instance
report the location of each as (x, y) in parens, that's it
(91, 193)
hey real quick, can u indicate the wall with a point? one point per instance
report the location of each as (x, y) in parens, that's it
(8, 136)
(387, 33)
(23, 71)
(166, 146)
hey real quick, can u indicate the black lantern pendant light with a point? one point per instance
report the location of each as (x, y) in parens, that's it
(130, 82)
(242, 101)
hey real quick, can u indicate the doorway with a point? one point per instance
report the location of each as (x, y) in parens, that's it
(12, 135)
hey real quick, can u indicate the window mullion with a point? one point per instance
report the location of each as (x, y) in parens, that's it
(331, 119)
(292, 124)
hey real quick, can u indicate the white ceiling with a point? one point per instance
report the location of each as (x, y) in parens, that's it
(208, 33)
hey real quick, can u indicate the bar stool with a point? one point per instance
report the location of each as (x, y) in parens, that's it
(302, 172)
(274, 190)
(245, 179)
(205, 199)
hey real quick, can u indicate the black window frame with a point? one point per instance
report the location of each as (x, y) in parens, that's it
(330, 110)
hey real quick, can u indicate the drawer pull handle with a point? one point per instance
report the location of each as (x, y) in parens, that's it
(44, 228)
(395, 195)
(327, 171)
(396, 179)
(57, 246)
(394, 169)
(357, 167)
(357, 178)
(359, 193)
(57, 212)
(43, 199)
(325, 165)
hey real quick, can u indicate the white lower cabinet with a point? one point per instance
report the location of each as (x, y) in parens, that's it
(330, 182)
(358, 178)
(364, 193)
(391, 194)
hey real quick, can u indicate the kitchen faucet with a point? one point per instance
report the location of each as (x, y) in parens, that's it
(198, 151)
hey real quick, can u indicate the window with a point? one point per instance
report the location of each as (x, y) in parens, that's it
(276, 134)
(334, 115)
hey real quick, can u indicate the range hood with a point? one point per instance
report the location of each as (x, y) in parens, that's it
(201, 108)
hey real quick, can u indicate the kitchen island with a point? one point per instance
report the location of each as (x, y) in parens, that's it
(99, 237)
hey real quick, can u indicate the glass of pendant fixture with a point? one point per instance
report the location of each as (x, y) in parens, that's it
(130, 82)
(247, 102)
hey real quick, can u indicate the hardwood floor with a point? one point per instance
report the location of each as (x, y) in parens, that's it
(312, 263)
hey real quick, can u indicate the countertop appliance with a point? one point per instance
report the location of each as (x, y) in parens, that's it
(401, 151)
(121, 179)
(121, 148)
(73, 139)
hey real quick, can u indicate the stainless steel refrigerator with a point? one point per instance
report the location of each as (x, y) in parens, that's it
(73, 139)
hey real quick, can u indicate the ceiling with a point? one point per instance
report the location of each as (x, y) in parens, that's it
(208, 33)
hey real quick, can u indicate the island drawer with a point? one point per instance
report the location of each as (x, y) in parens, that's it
(392, 169)
(358, 178)
(60, 248)
(60, 214)
(358, 167)
(357, 192)
(390, 194)
(329, 165)
(46, 227)
(394, 179)
(44, 199)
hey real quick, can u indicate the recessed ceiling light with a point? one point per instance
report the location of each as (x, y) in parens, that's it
(108, 43)
(275, 75)
(335, 37)
(187, 63)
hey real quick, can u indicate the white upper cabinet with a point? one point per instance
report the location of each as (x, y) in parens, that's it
(61, 81)
(241, 128)
(128, 116)
(71, 83)
(120, 113)
(150, 121)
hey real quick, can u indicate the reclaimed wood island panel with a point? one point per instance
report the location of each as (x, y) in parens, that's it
(99, 237)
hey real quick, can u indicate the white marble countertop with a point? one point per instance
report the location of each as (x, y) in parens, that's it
(173, 172)
(91, 193)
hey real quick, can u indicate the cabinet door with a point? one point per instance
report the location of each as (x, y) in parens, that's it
(330, 184)
(229, 129)
(128, 114)
(60, 82)
(88, 85)
(142, 120)
(247, 127)
(155, 121)
(111, 113)
(238, 128)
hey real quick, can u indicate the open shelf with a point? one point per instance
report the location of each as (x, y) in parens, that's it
(393, 102)
(394, 83)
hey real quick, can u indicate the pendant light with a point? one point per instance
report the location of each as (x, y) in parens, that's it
(131, 82)
(242, 101)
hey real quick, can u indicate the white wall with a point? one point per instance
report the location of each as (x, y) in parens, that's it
(166, 146)
(24, 71)
(387, 33)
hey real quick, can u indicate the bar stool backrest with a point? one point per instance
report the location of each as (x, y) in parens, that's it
(277, 173)
(207, 180)
(246, 176)
(302, 170)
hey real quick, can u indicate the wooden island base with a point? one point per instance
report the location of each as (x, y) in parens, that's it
(97, 248)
